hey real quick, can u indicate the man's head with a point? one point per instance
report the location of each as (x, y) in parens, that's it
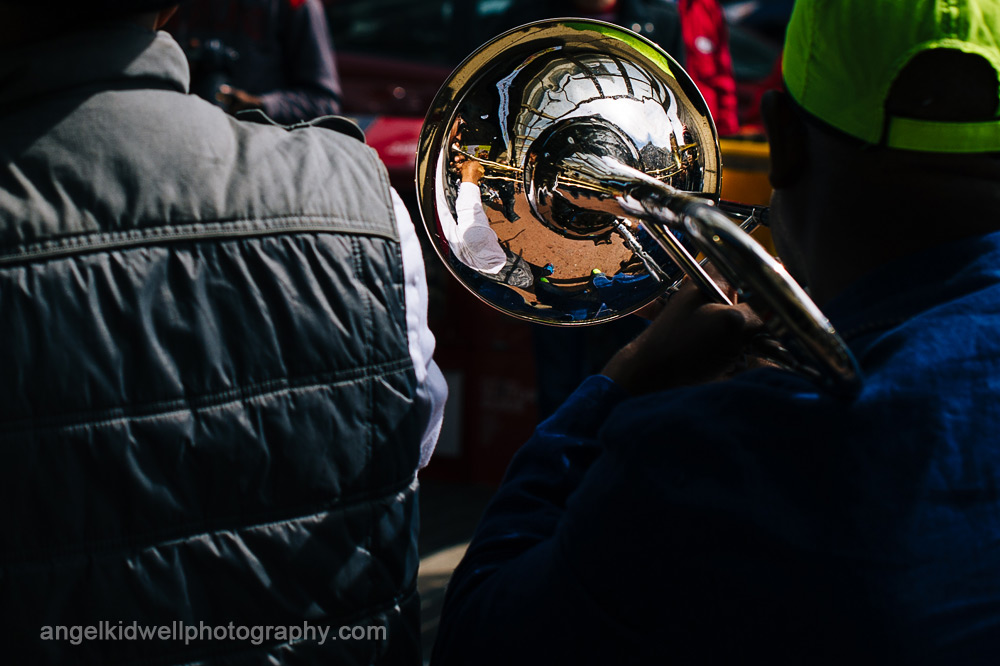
(24, 21)
(889, 105)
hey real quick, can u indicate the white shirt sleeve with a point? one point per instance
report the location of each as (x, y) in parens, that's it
(477, 244)
(432, 391)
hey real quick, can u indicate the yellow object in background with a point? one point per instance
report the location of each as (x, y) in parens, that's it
(745, 163)
(479, 151)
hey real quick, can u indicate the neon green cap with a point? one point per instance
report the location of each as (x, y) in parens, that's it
(842, 56)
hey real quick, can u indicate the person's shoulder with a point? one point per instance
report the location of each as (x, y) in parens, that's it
(337, 138)
(739, 397)
(316, 168)
(760, 410)
(319, 127)
(765, 437)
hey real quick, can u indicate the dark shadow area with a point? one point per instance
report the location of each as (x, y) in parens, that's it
(449, 513)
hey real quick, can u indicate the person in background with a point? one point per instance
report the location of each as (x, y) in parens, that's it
(273, 55)
(218, 384)
(668, 513)
(469, 235)
(708, 62)
(693, 32)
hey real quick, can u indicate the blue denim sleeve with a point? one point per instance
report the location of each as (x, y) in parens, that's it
(515, 540)
(544, 472)
(616, 525)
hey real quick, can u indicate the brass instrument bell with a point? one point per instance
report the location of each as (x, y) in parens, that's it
(596, 189)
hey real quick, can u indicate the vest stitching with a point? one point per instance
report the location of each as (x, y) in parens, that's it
(383, 179)
(237, 228)
(208, 401)
(179, 534)
(360, 275)
(104, 241)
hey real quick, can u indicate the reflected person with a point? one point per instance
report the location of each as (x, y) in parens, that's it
(471, 237)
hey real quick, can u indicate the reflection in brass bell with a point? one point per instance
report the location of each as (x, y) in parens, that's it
(522, 106)
(568, 172)
(573, 148)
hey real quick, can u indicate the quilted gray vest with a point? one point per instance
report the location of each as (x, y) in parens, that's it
(206, 398)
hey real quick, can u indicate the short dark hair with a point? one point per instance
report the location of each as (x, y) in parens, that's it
(99, 7)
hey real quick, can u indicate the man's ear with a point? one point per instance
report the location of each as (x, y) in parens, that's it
(786, 135)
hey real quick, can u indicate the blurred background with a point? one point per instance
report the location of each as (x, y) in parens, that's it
(381, 62)
(392, 56)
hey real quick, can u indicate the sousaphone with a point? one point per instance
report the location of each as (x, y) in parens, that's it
(569, 174)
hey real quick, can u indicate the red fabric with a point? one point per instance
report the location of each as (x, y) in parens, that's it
(706, 50)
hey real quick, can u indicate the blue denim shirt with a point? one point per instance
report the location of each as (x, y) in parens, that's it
(760, 518)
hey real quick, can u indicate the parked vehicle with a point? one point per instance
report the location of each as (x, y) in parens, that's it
(393, 56)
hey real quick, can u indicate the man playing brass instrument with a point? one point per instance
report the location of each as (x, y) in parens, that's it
(661, 516)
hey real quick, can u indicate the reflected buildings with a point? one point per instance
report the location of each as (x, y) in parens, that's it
(562, 117)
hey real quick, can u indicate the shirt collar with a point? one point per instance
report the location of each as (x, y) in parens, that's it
(106, 56)
(902, 289)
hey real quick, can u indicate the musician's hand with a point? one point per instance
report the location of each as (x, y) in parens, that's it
(237, 100)
(472, 171)
(691, 341)
(458, 159)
